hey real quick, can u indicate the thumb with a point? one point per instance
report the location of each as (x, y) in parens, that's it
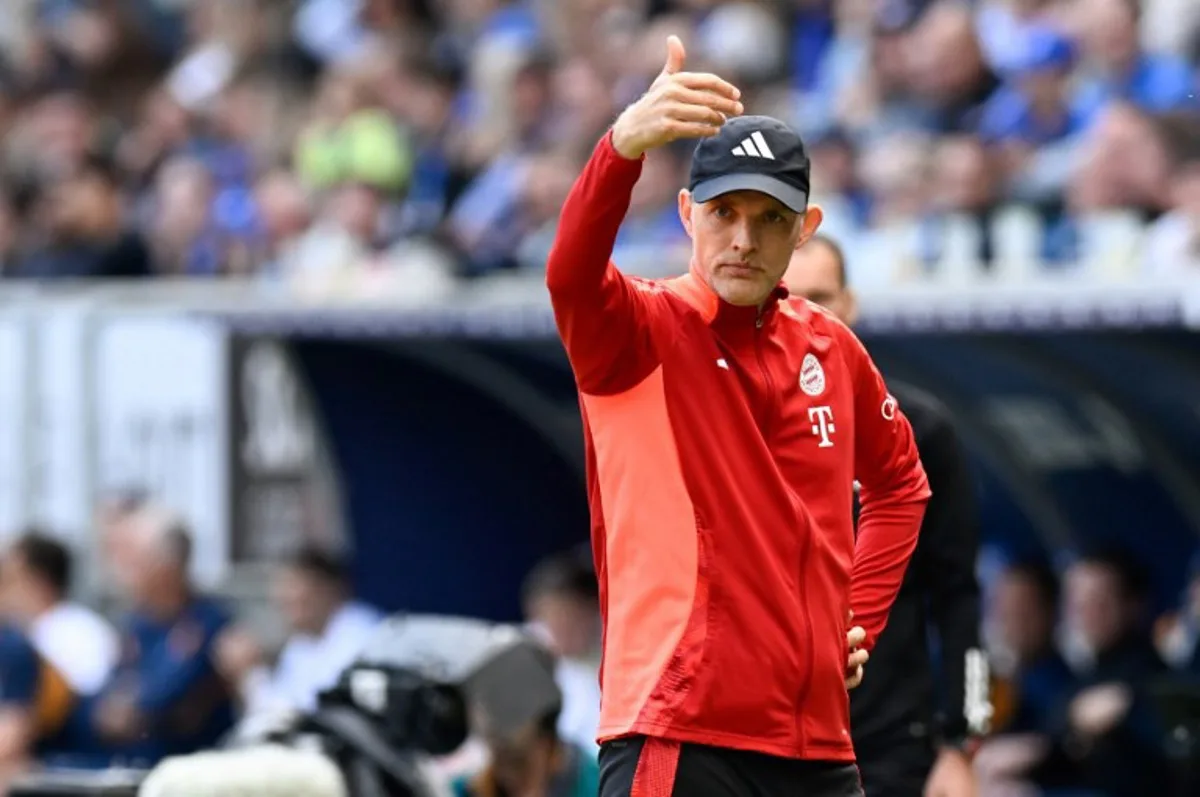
(675, 56)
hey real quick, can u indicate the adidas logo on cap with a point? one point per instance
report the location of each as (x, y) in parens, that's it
(755, 146)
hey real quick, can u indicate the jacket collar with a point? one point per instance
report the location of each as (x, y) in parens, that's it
(695, 290)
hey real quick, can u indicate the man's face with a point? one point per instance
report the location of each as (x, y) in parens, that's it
(16, 586)
(816, 275)
(1111, 33)
(1024, 621)
(1096, 608)
(301, 600)
(742, 242)
(570, 623)
(137, 567)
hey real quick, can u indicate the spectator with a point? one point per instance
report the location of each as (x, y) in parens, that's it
(1177, 635)
(326, 627)
(464, 119)
(422, 94)
(1034, 677)
(165, 696)
(84, 230)
(81, 645)
(35, 704)
(515, 712)
(1031, 681)
(284, 210)
(1124, 166)
(1005, 28)
(1108, 729)
(1034, 108)
(562, 599)
(947, 69)
(1173, 243)
(963, 190)
(1118, 69)
(837, 185)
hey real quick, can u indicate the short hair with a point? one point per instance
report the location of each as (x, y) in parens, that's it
(320, 563)
(562, 575)
(177, 541)
(128, 500)
(835, 249)
(47, 558)
(1041, 575)
(1180, 134)
(1132, 576)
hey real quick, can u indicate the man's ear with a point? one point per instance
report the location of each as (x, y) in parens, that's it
(851, 307)
(685, 210)
(811, 222)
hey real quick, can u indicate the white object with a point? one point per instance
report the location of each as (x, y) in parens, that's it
(755, 146)
(259, 771)
(79, 643)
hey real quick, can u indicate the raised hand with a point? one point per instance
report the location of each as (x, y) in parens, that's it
(678, 105)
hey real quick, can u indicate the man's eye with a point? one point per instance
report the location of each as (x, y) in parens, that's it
(722, 212)
(773, 216)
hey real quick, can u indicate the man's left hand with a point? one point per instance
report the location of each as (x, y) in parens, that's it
(857, 658)
(952, 776)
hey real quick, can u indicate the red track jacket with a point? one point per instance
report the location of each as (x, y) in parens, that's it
(722, 447)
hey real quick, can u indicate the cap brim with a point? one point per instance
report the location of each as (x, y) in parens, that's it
(793, 198)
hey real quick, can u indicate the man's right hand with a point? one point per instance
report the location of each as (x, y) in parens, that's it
(678, 105)
(857, 658)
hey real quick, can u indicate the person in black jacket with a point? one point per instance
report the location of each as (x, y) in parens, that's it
(916, 719)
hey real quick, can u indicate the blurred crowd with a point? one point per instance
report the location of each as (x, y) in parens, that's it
(158, 668)
(364, 146)
(1092, 695)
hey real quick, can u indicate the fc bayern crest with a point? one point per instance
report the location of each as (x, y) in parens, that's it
(812, 376)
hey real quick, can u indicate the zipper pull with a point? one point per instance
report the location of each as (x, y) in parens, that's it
(758, 322)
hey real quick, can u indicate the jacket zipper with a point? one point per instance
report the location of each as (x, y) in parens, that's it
(806, 679)
(759, 322)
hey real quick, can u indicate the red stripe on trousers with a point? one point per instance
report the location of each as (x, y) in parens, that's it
(656, 766)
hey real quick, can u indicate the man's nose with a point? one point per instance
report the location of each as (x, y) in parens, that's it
(743, 237)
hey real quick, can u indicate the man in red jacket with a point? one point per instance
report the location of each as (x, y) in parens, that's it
(725, 427)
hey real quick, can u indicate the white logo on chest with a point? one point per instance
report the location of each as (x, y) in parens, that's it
(822, 425)
(812, 376)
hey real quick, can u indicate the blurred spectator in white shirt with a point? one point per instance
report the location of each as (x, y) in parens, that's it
(78, 642)
(327, 630)
(561, 598)
(1173, 241)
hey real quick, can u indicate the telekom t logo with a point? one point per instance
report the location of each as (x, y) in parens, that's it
(822, 424)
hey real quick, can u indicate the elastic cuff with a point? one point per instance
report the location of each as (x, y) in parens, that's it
(607, 142)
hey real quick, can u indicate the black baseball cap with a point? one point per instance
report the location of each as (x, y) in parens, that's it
(752, 153)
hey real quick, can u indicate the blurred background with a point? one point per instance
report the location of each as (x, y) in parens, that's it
(273, 330)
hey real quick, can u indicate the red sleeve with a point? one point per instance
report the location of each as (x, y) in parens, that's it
(892, 496)
(603, 317)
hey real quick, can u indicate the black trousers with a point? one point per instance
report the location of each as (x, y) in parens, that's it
(896, 768)
(642, 767)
